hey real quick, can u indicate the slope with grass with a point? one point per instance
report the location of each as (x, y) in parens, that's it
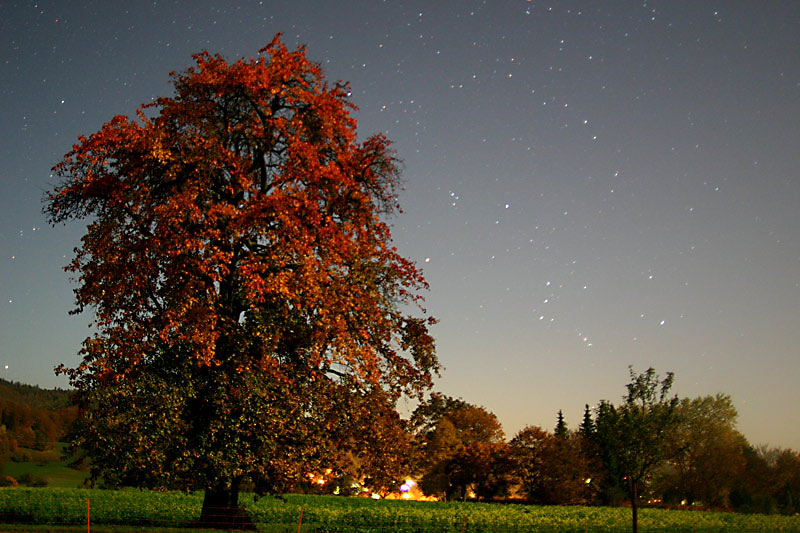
(51, 468)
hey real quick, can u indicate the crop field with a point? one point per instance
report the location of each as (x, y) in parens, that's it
(59, 509)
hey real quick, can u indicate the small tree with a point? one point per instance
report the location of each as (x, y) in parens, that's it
(638, 430)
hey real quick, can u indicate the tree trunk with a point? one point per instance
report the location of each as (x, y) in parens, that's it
(221, 509)
(634, 492)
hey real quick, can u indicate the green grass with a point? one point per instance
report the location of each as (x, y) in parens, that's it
(41, 508)
(56, 475)
(48, 465)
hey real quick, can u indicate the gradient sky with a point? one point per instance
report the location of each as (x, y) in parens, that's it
(589, 185)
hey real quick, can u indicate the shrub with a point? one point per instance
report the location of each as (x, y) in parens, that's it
(32, 481)
(20, 456)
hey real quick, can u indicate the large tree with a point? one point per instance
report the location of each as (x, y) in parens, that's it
(770, 481)
(450, 439)
(707, 457)
(529, 450)
(482, 470)
(246, 295)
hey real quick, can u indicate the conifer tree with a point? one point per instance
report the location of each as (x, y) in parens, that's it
(561, 429)
(586, 429)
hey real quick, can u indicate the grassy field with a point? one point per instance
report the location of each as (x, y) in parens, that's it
(48, 466)
(36, 509)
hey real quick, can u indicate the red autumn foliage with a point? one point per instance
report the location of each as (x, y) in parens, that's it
(240, 268)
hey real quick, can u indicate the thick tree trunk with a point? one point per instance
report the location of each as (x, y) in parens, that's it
(221, 509)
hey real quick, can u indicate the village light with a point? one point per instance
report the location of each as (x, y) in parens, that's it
(406, 486)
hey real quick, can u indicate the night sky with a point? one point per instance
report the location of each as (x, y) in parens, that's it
(589, 185)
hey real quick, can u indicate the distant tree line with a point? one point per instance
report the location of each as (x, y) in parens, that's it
(650, 449)
(689, 451)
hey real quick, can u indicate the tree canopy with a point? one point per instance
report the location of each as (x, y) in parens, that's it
(551, 468)
(637, 430)
(707, 452)
(460, 448)
(247, 298)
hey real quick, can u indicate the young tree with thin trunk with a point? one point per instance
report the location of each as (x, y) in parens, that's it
(639, 431)
(248, 301)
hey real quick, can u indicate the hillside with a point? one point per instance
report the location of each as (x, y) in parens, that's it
(34, 396)
(32, 417)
